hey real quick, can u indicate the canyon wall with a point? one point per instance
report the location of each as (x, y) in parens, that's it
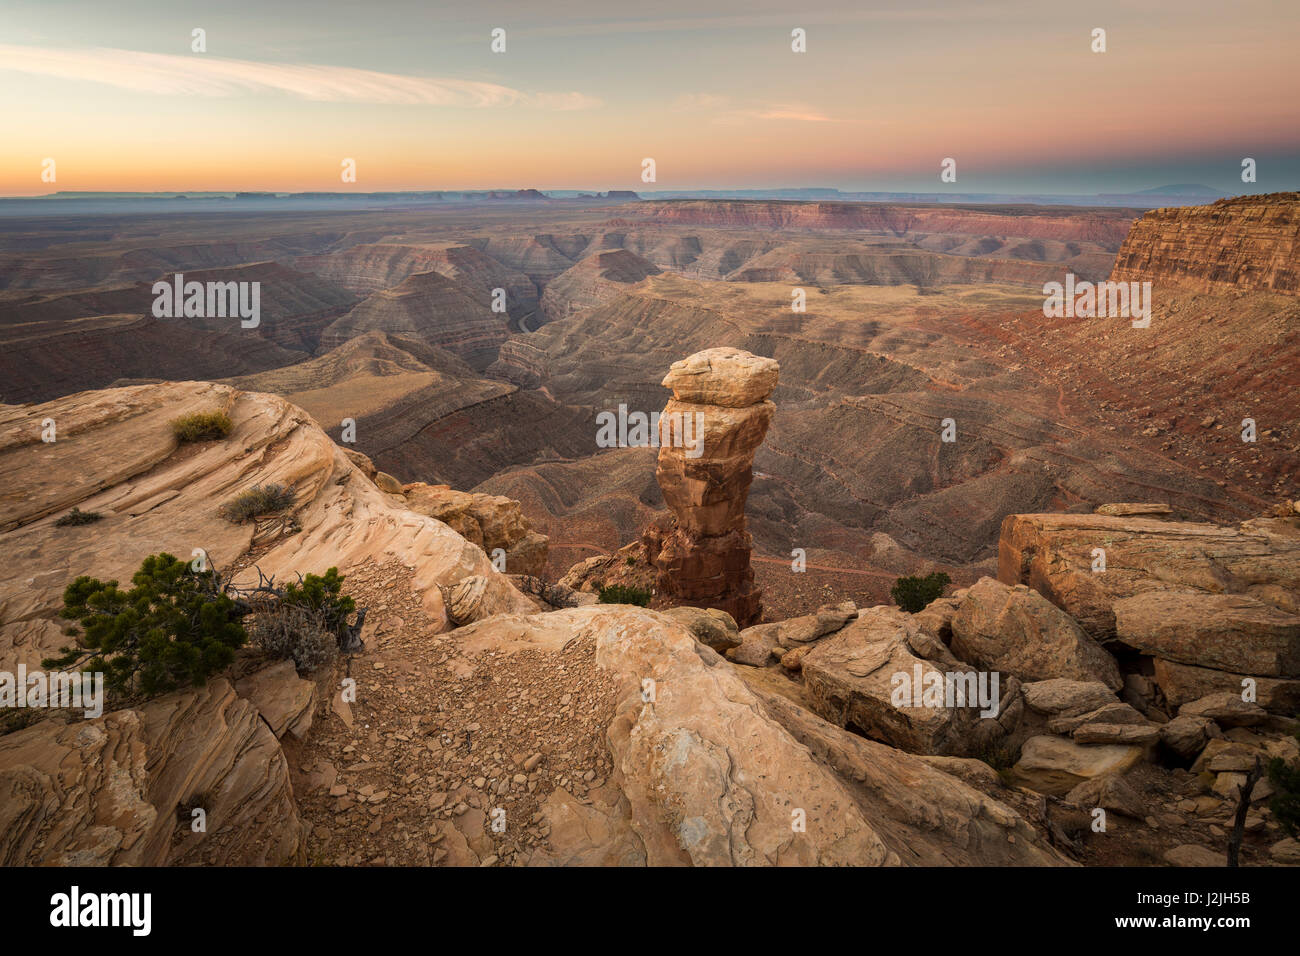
(1031, 222)
(1250, 243)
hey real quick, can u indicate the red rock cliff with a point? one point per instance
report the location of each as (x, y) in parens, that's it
(1247, 243)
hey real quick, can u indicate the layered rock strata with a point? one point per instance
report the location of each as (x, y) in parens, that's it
(1245, 243)
(708, 434)
(1215, 608)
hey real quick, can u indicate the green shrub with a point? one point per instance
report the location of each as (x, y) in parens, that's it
(77, 516)
(1285, 803)
(295, 633)
(1000, 758)
(912, 594)
(321, 594)
(178, 626)
(201, 426)
(175, 626)
(308, 623)
(258, 500)
(625, 594)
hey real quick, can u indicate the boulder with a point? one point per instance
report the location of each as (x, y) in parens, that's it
(1286, 852)
(552, 595)
(862, 677)
(757, 646)
(729, 377)
(1225, 709)
(828, 619)
(926, 645)
(493, 522)
(1182, 683)
(1228, 756)
(1054, 765)
(467, 600)
(285, 701)
(1115, 723)
(1108, 714)
(1139, 735)
(1109, 792)
(1054, 555)
(1231, 632)
(1193, 854)
(793, 660)
(1186, 736)
(710, 626)
(1061, 697)
(1016, 630)
(936, 617)
(387, 483)
(363, 463)
(1229, 784)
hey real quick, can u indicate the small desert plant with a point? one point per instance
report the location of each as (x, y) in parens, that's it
(912, 594)
(625, 594)
(631, 560)
(175, 626)
(179, 626)
(1001, 758)
(308, 623)
(296, 633)
(1285, 803)
(201, 426)
(258, 500)
(77, 516)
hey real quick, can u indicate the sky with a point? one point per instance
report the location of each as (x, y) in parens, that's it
(286, 90)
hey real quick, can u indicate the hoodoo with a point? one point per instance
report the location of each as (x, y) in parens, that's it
(702, 549)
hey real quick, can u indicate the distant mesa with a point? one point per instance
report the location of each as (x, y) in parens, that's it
(517, 194)
(621, 194)
(1182, 189)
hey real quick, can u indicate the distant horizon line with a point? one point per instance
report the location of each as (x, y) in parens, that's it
(1182, 190)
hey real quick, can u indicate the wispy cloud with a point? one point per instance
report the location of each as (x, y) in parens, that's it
(700, 101)
(792, 113)
(564, 101)
(728, 111)
(201, 74)
(947, 13)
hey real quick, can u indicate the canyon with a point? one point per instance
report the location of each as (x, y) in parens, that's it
(882, 395)
(913, 315)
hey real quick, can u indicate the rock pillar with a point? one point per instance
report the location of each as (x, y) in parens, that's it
(708, 434)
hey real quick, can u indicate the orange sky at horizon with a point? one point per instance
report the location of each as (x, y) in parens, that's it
(720, 107)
